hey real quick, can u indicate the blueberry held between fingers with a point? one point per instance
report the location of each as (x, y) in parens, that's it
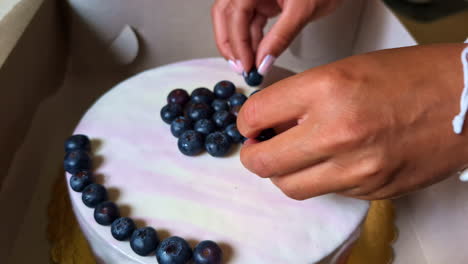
(219, 105)
(224, 89)
(205, 126)
(94, 194)
(77, 160)
(202, 95)
(81, 179)
(253, 78)
(180, 125)
(77, 142)
(233, 133)
(178, 96)
(106, 212)
(144, 241)
(122, 228)
(190, 143)
(173, 250)
(199, 111)
(223, 118)
(217, 144)
(237, 99)
(266, 134)
(207, 252)
(170, 112)
(254, 92)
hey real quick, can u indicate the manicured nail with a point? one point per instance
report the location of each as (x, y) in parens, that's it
(234, 67)
(240, 66)
(266, 64)
(250, 141)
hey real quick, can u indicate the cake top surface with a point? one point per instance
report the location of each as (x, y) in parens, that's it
(200, 198)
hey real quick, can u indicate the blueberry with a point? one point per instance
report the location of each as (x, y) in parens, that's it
(77, 160)
(235, 110)
(94, 194)
(253, 78)
(144, 241)
(224, 89)
(217, 144)
(173, 250)
(254, 92)
(77, 142)
(190, 143)
(205, 126)
(80, 180)
(178, 96)
(233, 133)
(186, 109)
(122, 228)
(106, 212)
(237, 99)
(199, 111)
(207, 252)
(220, 104)
(202, 95)
(266, 134)
(180, 125)
(170, 112)
(223, 118)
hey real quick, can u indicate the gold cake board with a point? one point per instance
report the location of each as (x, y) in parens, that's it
(69, 246)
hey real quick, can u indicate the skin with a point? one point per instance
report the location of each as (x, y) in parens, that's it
(372, 126)
(238, 26)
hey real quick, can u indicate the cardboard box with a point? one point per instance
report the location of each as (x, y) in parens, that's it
(58, 57)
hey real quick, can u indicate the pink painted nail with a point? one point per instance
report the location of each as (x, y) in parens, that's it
(240, 66)
(250, 141)
(266, 64)
(234, 67)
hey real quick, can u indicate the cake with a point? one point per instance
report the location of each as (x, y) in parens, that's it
(200, 198)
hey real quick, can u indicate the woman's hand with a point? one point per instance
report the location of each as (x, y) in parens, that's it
(238, 27)
(372, 126)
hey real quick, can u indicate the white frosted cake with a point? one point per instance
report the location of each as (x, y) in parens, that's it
(203, 197)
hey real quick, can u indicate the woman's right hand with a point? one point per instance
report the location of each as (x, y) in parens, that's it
(238, 27)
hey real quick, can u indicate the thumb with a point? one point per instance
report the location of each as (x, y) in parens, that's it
(291, 21)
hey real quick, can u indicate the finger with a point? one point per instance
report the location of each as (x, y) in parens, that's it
(239, 32)
(376, 184)
(290, 23)
(368, 188)
(275, 105)
(220, 27)
(313, 181)
(256, 30)
(288, 152)
(400, 181)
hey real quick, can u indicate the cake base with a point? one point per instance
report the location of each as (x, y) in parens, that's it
(68, 244)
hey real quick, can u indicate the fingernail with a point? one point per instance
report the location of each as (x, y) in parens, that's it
(250, 141)
(240, 66)
(234, 67)
(266, 64)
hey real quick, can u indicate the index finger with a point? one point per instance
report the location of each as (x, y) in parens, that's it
(275, 105)
(220, 28)
(239, 35)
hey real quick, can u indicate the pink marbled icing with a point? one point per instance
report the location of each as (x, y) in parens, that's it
(200, 197)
